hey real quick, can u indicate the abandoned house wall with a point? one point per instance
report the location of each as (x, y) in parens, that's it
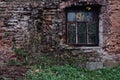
(15, 20)
(114, 42)
(39, 27)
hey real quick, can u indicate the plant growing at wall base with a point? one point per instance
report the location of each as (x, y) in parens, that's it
(21, 57)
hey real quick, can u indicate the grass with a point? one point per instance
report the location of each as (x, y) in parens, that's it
(67, 72)
(50, 69)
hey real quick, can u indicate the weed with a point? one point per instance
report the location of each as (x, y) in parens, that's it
(67, 72)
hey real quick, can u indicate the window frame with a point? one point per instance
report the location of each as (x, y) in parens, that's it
(95, 11)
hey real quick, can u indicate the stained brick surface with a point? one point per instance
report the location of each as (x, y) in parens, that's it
(114, 40)
(17, 18)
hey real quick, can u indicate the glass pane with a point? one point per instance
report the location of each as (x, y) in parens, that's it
(92, 38)
(80, 16)
(71, 16)
(81, 33)
(92, 28)
(81, 28)
(71, 33)
(81, 39)
(88, 16)
(84, 16)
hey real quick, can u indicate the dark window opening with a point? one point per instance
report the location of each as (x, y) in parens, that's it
(82, 26)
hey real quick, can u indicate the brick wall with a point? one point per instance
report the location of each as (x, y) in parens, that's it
(14, 24)
(21, 27)
(114, 42)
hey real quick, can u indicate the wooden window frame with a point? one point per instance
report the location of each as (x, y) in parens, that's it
(95, 16)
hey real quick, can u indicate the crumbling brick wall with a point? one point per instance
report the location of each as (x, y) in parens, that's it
(14, 23)
(113, 41)
(39, 26)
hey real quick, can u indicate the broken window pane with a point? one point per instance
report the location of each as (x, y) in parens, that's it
(80, 16)
(84, 16)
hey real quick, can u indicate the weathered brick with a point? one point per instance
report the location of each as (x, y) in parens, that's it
(18, 17)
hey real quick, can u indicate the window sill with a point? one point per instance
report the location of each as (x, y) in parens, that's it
(84, 49)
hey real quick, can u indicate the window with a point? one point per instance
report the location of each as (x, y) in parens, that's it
(82, 26)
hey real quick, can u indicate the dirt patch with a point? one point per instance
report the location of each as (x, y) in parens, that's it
(13, 72)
